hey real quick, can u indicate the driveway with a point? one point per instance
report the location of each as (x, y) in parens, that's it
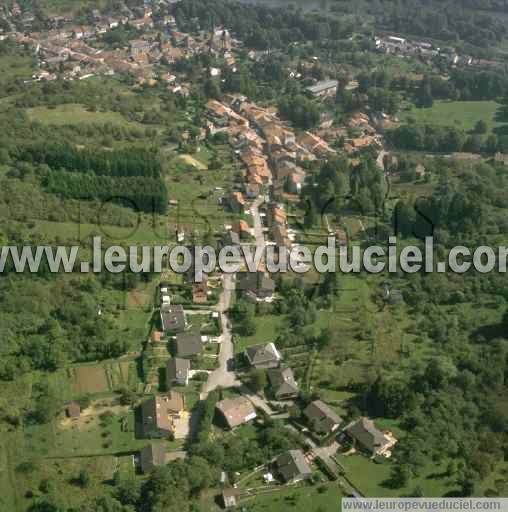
(223, 376)
(256, 400)
(258, 225)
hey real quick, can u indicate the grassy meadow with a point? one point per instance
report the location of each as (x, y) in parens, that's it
(461, 114)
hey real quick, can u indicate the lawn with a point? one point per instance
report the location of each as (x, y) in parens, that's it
(461, 114)
(148, 232)
(267, 328)
(318, 498)
(15, 67)
(58, 478)
(73, 113)
(54, 7)
(199, 190)
(372, 479)
(91, 379)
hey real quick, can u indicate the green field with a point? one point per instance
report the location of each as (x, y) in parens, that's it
(320, 498)
(72, 113)
(72, 6)
(15, 68)
(267, 328)
(461, 114)
(374, 479)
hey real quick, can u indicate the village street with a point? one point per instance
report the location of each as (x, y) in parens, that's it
(224, 376)
(258, 225)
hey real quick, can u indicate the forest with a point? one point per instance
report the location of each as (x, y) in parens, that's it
(128, 176)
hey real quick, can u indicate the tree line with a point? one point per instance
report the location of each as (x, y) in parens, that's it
(129, 176)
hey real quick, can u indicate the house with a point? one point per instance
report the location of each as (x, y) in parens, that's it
(277, 135)
(276, 216)
(241, 228)
(292, 466)
(152, 456)
(283, 383)
(280, 236)
(295, 181)
(501, 158)
(421, 172)
(341, 238)
(229, 498)
(322, 418)
(231, 238)
(366, 436)
(256, 285)
(177, 371)
(200, 292)
(236, 411)
(237, 202)
(223, 115)
(156, 336)
(252, 190)
(188, 345)
(392, 296)
(263, 356)
(323, 89)
(316, 145)
(159, 413)
(173, 319)
(73, 409)
(138, 46)
(220, 40)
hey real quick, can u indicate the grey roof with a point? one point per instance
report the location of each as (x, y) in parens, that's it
(254, 282)
(139, 43)
(188, 345)
(266, 283)
(247, 281)
(152, 456)
(365, 432)
(292, 464)
(177, 368)
(173, 318)
(321, 416)
(282, 381)
(262, 354)
(231, 238)
(322, 86)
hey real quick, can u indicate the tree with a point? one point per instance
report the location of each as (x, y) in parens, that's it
(4, 156)
(418, 492)
(310, 215)
(212, 89)
(491, 144)
(127, 397)
(480, 127)
(83, 478)
(258, 380)
(401, 474)
(43, 506)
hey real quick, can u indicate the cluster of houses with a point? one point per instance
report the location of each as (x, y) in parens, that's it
(365, 135)
(68, 50)
(295, 465)
(272, 155)
(397, 45)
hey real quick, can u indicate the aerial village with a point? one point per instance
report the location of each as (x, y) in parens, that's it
(193, 345)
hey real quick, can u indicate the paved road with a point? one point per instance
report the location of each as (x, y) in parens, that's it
(380, 160)
(258, 225)
(223, 376)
